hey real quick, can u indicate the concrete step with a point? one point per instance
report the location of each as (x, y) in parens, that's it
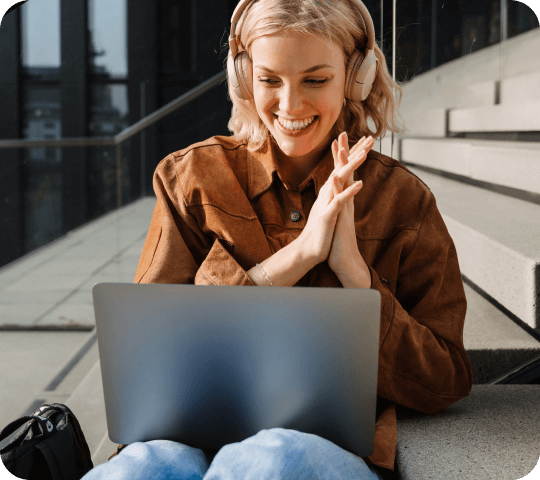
(482, 160)
(494, 343)
(492, 433)
(386, 147)
(515, 57)
(427, 122)
(28, 363)
(497, 240)
(88, 404)
(511, 117)
(520, 89)
(51, 288)
(424, 112)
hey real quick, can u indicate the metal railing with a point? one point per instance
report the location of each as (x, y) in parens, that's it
(119, 139)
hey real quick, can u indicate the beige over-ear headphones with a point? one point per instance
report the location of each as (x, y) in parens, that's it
(361, 69)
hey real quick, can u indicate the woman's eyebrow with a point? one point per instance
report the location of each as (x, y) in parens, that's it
(309, 70)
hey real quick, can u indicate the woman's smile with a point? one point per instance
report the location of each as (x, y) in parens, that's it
(296, 129)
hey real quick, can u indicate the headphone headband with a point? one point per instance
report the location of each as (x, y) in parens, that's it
(364, 14)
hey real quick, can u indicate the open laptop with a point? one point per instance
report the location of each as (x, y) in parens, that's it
(211, 365)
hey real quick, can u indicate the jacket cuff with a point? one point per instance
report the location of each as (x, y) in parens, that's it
(220, 268)
(387, 304)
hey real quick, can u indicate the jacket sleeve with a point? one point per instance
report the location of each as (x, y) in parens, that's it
(422, 361)
(176, 249)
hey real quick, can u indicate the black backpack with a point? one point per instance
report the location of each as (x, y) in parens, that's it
(48, 445)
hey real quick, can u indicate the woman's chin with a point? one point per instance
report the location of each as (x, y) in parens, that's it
(295, 150)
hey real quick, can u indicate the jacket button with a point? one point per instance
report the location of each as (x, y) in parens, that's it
(295, 215)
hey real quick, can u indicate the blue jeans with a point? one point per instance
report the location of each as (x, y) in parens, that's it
(271, 454)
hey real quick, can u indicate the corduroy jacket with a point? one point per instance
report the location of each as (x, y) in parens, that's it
(221, 209)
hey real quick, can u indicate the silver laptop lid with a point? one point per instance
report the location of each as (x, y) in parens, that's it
(212, 365)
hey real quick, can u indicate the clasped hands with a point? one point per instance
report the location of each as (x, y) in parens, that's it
(344, 257)
(330, 232)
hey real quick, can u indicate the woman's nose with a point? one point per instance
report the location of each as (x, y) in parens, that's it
(291, 100)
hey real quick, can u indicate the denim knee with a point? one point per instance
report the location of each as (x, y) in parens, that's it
(287, 438)
(156, 459)
(280, 453)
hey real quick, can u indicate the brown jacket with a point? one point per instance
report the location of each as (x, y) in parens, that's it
(221, 209)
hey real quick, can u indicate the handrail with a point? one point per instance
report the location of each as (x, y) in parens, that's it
(170, 107)
(128, 132)
(125, 134)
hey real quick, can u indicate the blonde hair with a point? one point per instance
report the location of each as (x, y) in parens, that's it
(331, 20)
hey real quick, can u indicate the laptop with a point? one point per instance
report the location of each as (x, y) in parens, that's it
(211, 365)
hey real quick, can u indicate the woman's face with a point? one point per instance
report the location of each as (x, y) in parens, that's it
(297, 90)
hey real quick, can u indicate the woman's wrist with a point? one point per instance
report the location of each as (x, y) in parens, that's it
(285, 268)
(356, 275)
(304, 253)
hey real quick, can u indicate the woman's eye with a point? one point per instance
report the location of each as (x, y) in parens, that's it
(311, 82)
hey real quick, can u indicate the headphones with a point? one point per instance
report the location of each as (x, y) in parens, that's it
(360, 73)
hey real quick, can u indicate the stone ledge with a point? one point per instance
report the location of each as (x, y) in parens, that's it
(486, 161)
(496, 241)
(492, 433)
(522, 117)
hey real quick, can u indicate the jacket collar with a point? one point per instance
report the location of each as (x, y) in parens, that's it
(263, 169)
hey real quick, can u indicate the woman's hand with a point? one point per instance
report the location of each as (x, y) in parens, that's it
(344, 257)
(316, 237)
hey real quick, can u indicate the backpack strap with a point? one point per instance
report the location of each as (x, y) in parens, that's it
(26, 421)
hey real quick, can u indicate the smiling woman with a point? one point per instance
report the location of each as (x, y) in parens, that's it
(296, 197)
(329, 33)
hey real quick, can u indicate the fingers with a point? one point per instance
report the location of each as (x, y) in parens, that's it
(346, 162)
(341, 199)
(356, 156)
(365, 143)
(355, 160)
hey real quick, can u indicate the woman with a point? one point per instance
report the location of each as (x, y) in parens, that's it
(282, 203)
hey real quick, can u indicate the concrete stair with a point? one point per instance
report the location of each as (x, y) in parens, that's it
(495, 345)
(481, 160)
(488, 192)
(519, 117)
(491, 434)
(88, 404)
(497, 240)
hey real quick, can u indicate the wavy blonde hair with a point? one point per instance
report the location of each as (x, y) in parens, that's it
(334, 20)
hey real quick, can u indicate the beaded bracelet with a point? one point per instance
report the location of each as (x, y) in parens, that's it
(265, 274)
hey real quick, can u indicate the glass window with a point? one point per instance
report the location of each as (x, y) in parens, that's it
(42, 167)
(520, 18)
(40, 31)
(108, 116)
(108, 109)
(108, 37)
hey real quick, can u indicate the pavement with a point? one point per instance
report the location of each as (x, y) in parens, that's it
(46, 307)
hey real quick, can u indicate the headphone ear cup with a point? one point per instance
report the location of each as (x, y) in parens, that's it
(361, 73)
(244, 75)
(231, 73)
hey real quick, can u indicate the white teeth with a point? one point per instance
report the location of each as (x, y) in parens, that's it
(296, 125)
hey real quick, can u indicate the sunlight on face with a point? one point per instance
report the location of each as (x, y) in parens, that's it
(289, 93)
